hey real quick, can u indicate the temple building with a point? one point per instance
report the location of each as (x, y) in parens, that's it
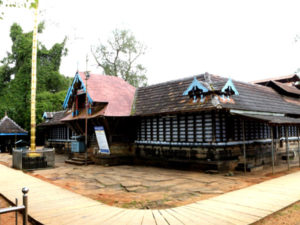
(215, 121)
(208, 120)
(109, 102)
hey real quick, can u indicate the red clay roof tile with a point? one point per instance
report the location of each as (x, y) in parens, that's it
(113, 90)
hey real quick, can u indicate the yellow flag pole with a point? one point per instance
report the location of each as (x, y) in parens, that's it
(33, 81)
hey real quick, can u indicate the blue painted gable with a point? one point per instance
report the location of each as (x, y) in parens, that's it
(193, 85)
(77, 79)
(196, 86)
(229, 84)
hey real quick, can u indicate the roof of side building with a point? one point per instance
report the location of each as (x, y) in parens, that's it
(10, 127)
(53, 118)
(168, 98)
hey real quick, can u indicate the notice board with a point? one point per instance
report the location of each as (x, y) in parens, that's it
(101, 139)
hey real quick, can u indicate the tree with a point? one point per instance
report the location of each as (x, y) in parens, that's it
(16, 4)
(118, 57)
(15, 93)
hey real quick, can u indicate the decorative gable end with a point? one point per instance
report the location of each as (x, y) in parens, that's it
(196, 91)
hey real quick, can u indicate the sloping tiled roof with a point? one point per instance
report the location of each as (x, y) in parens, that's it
(10, 127)
(291, 77)
(168, 98)
(54, 118)
(83, 115)
(112, 90)
(48, 115)
(286, 88)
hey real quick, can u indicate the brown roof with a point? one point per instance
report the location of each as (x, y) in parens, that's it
(10, 127)
(112, 90)
(53, 119)
(168, 98)
(287, 89)
(83, 115)
(292, 77)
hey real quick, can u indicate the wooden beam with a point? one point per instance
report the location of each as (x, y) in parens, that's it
(151, 128)
(221, 126)
(140, 128)
(213, 124)
(164, 129)
(244, 148)
(145, 122)
(157, 128)
(287, 146)
(107, 129)
(272, 148)
(203, 126)
(178, 128)
(194, 128)
(171, 129)
(78, 127)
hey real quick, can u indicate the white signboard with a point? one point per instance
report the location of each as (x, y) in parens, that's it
(101, 139)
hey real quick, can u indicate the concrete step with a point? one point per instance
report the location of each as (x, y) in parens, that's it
(78, 162)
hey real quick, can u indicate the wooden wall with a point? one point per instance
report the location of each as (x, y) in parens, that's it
(211, 136)
(204, 127)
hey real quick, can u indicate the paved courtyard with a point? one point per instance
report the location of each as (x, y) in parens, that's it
(140, 186)
(50, 204)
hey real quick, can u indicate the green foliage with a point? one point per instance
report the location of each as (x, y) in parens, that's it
(47, 101)
(51, 85)
(119, 55)
(16, 4)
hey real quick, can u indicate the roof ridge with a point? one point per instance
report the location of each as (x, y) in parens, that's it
(104, 75)
(275, 78)
(55, 111)
(197, 77)
(175, 80)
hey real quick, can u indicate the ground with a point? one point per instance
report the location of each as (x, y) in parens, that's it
(150, 187)
(9, 218)
(287, 216)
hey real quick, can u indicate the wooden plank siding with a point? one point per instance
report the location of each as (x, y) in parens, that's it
(203, 127)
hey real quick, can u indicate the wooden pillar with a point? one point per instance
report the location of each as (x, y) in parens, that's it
(213, 124)
(272, 148)
(244, 148)
(203, 127)
(287, 146)
(157, 128)
(151, 128)
(194, 128)
(186, 127)
(178, 128)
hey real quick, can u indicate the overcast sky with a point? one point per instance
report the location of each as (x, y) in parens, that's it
(244, 40)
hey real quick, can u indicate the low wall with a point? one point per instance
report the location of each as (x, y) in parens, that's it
(218, 158)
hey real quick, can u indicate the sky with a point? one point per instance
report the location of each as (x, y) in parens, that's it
(241, 39)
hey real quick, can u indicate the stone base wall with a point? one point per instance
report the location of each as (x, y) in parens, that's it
(220, 158)
(60, 147)
(120, 153)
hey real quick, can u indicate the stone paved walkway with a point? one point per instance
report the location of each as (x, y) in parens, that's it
(50, 204)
